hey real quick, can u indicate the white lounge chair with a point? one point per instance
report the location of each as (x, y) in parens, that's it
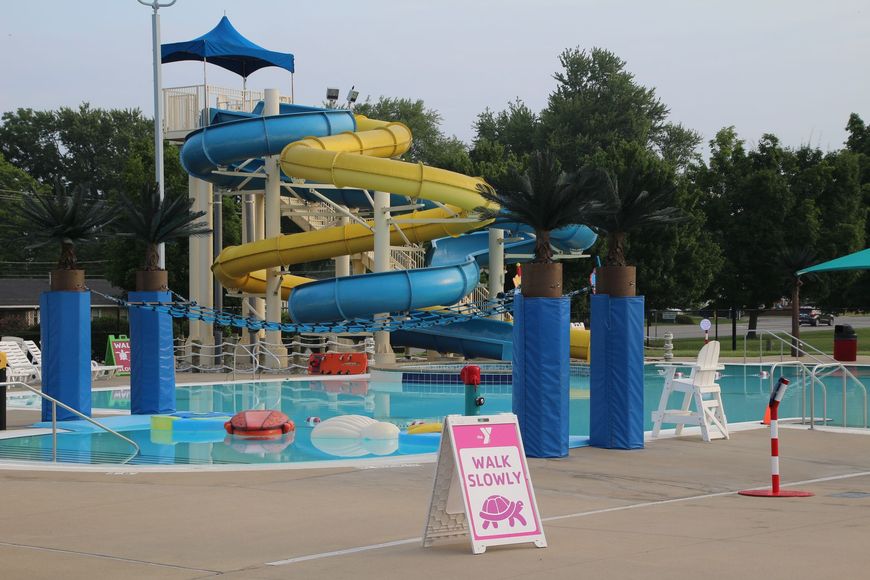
(34, 352)
(701, 388)
(18, 366)
(99, 371)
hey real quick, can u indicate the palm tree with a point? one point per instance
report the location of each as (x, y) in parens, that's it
(544, 198)
(153, 221)
(639, 188)
(66, 219)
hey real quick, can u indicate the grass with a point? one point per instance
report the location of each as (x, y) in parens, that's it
(820, 339)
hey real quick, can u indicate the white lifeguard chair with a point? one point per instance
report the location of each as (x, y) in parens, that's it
(700, 387)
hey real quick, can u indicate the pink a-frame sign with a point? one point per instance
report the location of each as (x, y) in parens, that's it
(482, 485)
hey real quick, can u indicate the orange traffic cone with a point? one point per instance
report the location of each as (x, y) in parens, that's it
(766, 420)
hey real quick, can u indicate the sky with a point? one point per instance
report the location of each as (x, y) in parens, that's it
(795, 68)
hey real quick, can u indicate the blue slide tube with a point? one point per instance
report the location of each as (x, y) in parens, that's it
(236, 141)
(361, 296)
(480, 337)
(476, 244)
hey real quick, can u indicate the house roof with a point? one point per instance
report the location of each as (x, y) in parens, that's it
(24, 292)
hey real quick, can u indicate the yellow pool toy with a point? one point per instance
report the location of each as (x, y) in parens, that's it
(425, 428)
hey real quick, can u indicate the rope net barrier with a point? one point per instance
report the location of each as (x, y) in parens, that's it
(411, 320)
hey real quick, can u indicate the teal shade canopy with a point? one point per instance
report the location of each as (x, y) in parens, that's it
(857, 261)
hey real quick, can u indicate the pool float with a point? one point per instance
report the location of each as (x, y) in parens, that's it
(188, 421)
(261, 424)
(420, 428)
(355, 436)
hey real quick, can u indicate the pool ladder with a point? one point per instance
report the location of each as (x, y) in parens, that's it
(54, 404)
(812, 374)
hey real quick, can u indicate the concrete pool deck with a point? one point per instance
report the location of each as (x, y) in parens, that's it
(668, 511)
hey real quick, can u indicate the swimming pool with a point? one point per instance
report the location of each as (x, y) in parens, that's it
(744, 387)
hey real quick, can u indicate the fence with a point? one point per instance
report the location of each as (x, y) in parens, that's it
(258, 357)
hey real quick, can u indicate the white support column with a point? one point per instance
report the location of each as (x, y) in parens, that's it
(260, 234)
(270, 216)
(496, 266)
(251, 305)
(201, 256)
(383, 350)
(342, 263)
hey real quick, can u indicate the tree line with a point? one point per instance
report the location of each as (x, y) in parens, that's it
(753, 214)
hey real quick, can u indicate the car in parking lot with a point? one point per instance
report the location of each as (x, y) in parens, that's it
(814, 316)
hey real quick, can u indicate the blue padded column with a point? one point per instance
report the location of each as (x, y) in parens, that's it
(65, 339)
(541, 358)
(152, 364)
(616, 382)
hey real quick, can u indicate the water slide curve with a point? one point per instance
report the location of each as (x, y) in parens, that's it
(355, 153)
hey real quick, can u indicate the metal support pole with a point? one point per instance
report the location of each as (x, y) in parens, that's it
(496, 266)
(53, 431)
(733, 329)
(271, 215)
(158, 107)
(218, 295)
(381, 199)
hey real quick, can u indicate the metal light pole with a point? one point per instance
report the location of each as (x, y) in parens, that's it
(158, 107)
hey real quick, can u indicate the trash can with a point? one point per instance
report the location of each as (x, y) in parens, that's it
(845, 343)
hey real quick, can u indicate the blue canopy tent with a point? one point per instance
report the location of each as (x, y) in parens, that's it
(225, 47)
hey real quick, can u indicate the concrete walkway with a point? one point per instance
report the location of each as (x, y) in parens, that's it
(668, 512)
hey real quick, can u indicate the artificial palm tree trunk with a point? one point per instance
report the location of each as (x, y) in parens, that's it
(152, 279)
(543, 277)
(67, 277)
(542, 280)
(616, 281)
(68, 281)
(615, 278)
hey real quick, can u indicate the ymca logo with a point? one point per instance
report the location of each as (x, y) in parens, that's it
(486, 432)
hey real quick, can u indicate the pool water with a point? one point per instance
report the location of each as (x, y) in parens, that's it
(745, 393)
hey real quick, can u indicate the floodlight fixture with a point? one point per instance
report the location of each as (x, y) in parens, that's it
(331, 96)
(352, 96)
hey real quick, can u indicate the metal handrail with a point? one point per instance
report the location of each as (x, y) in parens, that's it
(846, 374)
(54, 404)
(791, 341)
(804, 370)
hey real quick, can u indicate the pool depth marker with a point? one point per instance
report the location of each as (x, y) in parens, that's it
(482, 487)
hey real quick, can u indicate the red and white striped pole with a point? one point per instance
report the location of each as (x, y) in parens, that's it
(774, 491)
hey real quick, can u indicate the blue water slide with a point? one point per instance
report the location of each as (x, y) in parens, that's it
(224, 144)
(238, 140)
(483, 337)
(366, 294)
(473, 244)
(478, 338)
(476, 244)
